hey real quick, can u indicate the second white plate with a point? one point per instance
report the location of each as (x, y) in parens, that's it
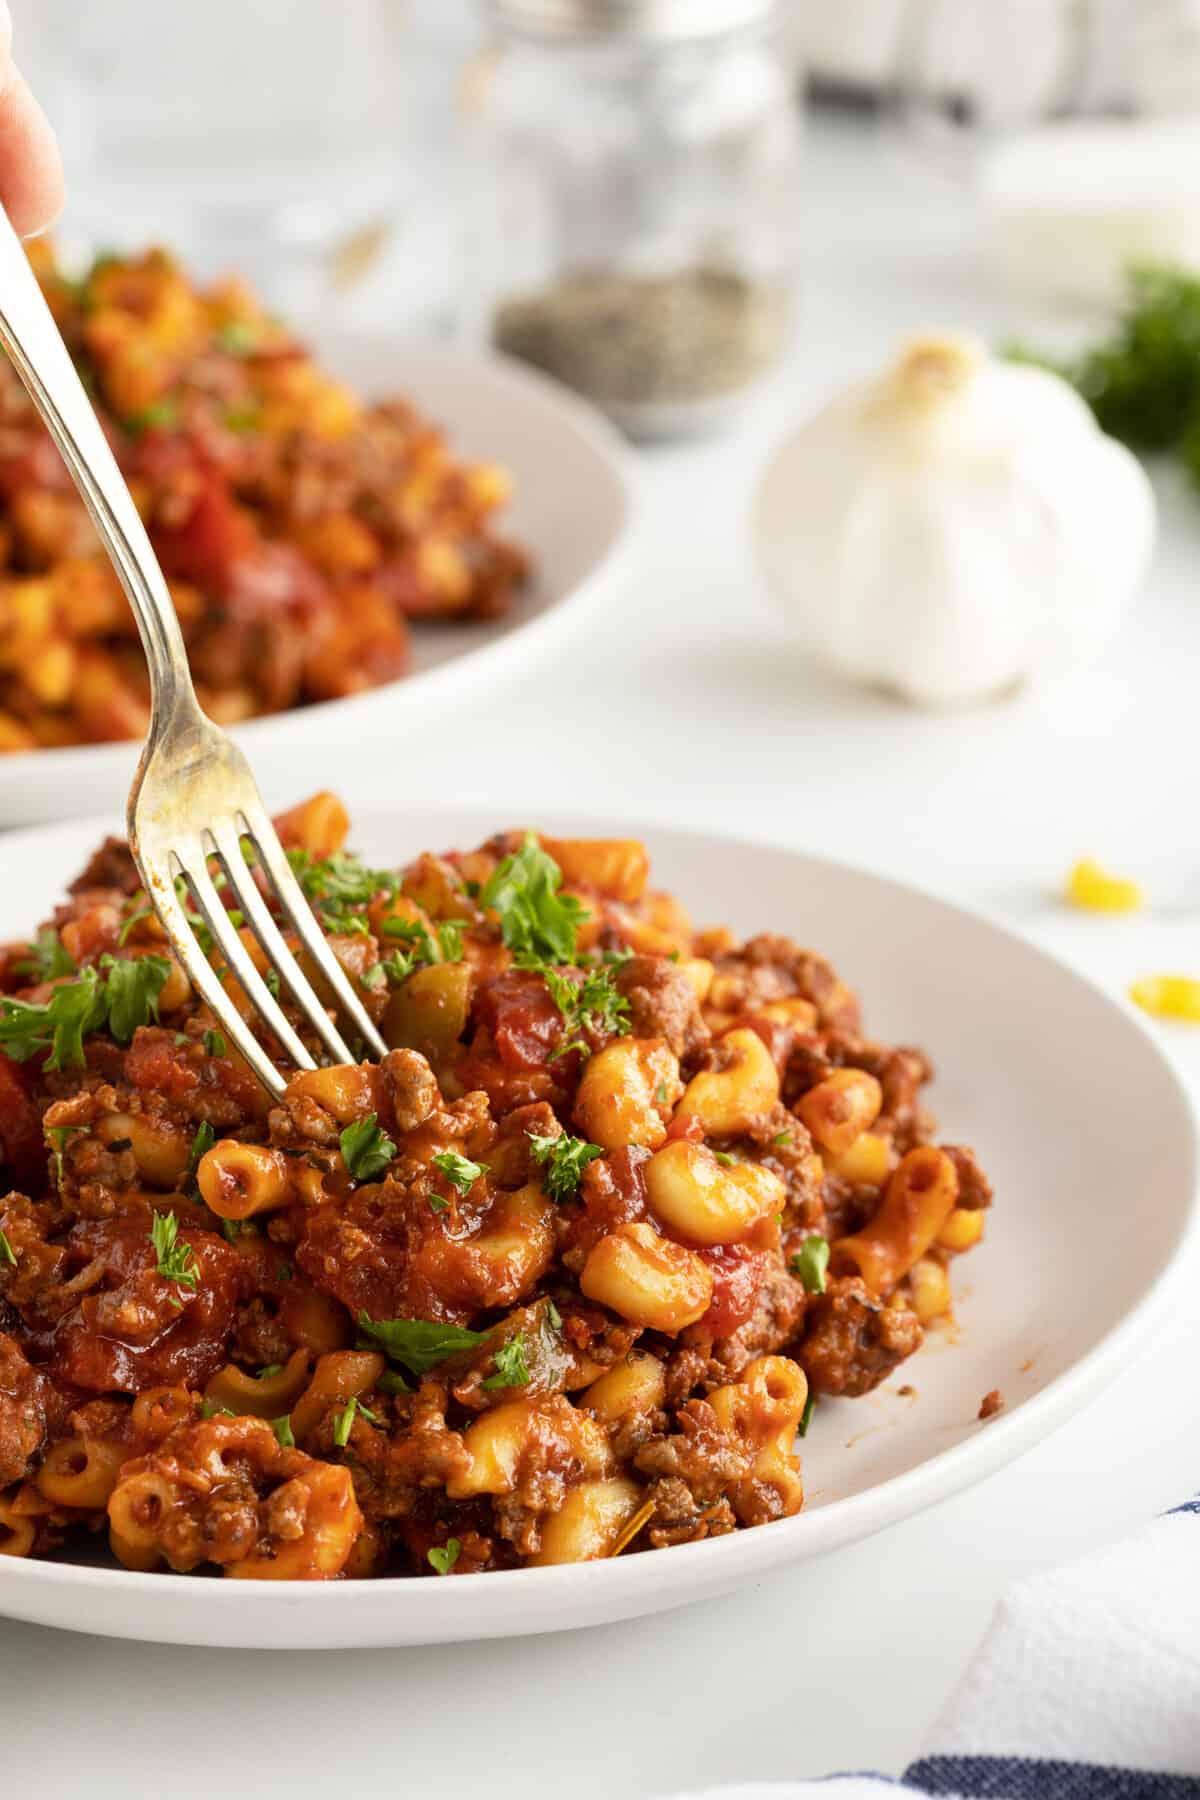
(572, 509)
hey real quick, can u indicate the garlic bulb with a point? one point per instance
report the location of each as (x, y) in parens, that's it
(955, 527)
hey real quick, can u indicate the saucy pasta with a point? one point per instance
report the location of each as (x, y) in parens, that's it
(565, 1275)
(300, 528)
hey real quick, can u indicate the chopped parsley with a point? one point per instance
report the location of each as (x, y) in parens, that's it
(810, 1263)
(459, 1171)
(336, 885)
(438, 1203)
(565, 1158)
(422, 947)
(211, 1408)
(443, 1557)
(724, 1157)
(367, 1150)
(511, 1368)
(47, 960)
(343, 1422)
(392, 1382)
(56, 1137)
(592, 1004)
(121, 996)
(161, 416)
(265, 1374)
(282, 1427)
(214, 1043)
(536, 922)
(781, 1138)
(450, 939)
(271, 977)
(176, 1261)
(660, 1094)
(810, 1406)
(420, 1344)
(203, 1142)
(238, 337)
(553, 1314)
(7, 1253)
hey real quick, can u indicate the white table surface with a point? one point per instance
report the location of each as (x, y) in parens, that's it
(681, 704)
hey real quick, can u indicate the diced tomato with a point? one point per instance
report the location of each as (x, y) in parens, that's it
(524, 1021)
(206, 545)
(22, 1149)
(737, 1274)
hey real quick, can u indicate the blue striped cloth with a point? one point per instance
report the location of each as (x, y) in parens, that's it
(1086, 1687)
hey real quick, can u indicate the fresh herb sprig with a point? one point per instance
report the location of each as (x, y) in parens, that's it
(176, 1261)
(119, 996)
(537, 922)
(564, 1158)
(592, 1004)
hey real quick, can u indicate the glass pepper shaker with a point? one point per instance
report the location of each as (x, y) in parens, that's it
(632, 200)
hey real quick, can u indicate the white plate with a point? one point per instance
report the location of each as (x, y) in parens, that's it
(572, 508)
(1089, 1137)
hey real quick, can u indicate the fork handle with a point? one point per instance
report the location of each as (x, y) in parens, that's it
(32, 340)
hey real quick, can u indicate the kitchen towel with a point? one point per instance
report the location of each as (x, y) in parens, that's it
(1086, 1687)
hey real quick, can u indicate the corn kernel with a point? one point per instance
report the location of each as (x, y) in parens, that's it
(1094, 890)
(1168, 997)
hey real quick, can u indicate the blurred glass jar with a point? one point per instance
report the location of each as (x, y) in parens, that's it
(632, 200)
(254, 134)
(1079, 121)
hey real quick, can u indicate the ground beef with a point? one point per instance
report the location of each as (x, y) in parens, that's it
(974, 1188)
(852, 1341)
(700, 1452)
(663, 1004)
(778, 1311)
(111, 866)
(770, 967)
(678, 1519)
(23, 1393)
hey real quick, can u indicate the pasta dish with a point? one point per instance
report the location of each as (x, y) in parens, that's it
(568, 1274)
(299, 528)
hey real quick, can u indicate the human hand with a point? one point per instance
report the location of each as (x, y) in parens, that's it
(31, 178)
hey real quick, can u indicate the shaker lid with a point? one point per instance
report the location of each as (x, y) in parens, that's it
(629, 21)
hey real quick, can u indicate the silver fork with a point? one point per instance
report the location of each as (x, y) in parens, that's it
(193, 798)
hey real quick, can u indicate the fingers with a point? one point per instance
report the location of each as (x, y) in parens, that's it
(31, 177)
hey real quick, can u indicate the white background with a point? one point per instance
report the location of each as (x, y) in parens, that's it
(682, 703)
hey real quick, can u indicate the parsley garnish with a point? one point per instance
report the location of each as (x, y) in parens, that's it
(567, 1158)
(810, 1263)
(724, 1157)
(265, 1373)
(335, 884)
(438, 1203)
(47, 959)
(450, 939)
(131, 992)
(367, 1150)
(161, 416)
(806, 1416)
(536, 921)
(214, 1043)
(592, 1004)
(782, 1137)
(419, 1344)
(511, 1368)
(238, 337)
(176, 1261)
(553, 1314)
(271, 977)
(282, 1427)
(203, 1141)
(458, 1170)
(7, 1253)
(211, 1408)
(343, 1422)
(284, 1272)
(126, 997)
(444, 1556)
(392, 1382)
